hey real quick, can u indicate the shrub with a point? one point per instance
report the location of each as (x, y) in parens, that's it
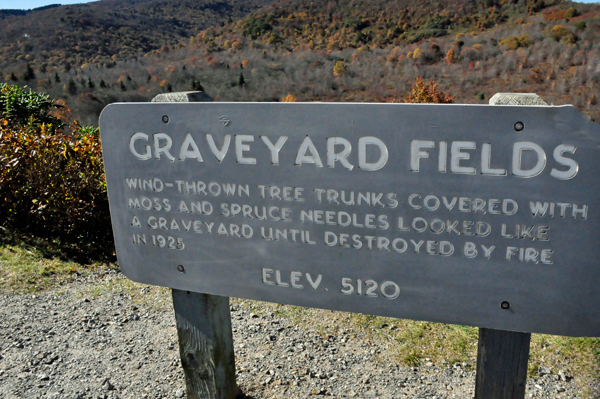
(558, 33)
(514, 42)
(450, 56)
(289, 98)
(571, 12)
(427, 93)
(52, 182)
(339, 68)
(21, 107)
(534, 6)
(580, 25)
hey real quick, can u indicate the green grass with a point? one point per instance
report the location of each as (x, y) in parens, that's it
(25, 269)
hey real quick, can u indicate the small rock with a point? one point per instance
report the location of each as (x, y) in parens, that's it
(43, 377)
(542, 371)
(562, 376)
(180, 393)
(107, 386)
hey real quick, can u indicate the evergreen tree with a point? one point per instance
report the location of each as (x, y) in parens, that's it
(169, 87)
(123, 88)
(91, 83)
(196, 85)
(72, 87)
(241, 81)
(102, 84)
(29, 73)
(13, 77)
(56, 77)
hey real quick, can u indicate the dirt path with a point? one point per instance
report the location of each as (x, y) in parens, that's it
(88, 340)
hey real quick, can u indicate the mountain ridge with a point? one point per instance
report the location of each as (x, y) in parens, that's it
(344, 50)
(98, 31)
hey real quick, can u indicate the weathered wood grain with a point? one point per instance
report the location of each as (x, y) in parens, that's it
(205, 344)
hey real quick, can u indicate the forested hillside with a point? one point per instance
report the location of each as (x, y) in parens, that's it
(345, 50)
(105, 31)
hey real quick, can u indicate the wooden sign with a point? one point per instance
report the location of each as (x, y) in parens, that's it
(474, 215)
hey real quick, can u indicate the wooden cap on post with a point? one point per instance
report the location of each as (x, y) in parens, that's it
(517, 99)
(182, 97)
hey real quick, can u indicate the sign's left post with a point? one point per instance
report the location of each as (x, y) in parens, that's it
(203, 325)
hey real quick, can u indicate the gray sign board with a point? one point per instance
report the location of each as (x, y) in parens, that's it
(474, 215)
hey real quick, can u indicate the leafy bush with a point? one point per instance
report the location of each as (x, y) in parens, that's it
(427, 93)
(571, 12)
(558, 33)
(339, 68)
(580, 25)
(52, 182)
(514, 42)
(27, 107)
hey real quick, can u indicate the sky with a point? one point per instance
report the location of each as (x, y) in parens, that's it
(28, 4)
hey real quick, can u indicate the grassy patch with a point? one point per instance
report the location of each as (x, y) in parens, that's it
(25, 269)
(416, 340)
(578, 358)
(52, 248)
(154, 297)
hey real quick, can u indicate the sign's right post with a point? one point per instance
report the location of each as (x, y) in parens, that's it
(502, 356)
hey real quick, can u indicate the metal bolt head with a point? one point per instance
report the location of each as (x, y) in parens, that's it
(519, 126)
(505, 305)
(181, 268)
(165, 119)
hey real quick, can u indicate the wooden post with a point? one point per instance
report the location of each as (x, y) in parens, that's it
(502, 356)
(203, 324)
(205, 344)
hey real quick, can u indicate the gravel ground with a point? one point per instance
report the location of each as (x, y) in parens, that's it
(84, 340)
